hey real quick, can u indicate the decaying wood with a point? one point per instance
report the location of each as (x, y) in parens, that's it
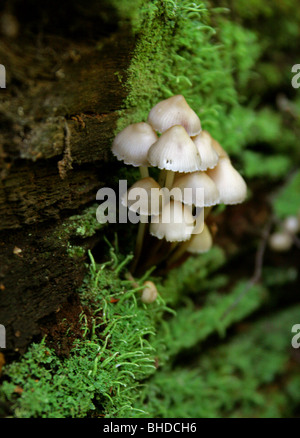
(57, 118)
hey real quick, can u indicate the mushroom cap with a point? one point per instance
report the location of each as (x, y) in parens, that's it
(149, 294)
(291, 224)
(174, 150)
(201, 242)
(280, 241)
(209, 156)
(174, 111)
(150, 201)
(218, 148)
(131, 145)
(229, 182)
(175, 223)
(196, 180)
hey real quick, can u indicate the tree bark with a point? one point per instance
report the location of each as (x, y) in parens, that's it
(58, 114)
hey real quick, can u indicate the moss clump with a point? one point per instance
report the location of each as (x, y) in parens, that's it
(104, 368)
(77, 228)
(127, 362)
(122, 344)
(216, 58)
(81, 225)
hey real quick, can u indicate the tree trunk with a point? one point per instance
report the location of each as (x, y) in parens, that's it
(58, 114)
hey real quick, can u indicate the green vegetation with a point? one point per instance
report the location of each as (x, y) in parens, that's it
(198, 50)
(287, 200)
(127, 361)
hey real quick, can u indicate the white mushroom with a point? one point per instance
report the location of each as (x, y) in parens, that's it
(175, 152)
(174, 224)
(280, 241)
(291, 224)
(144, 197)
(229, 182)
(218, 148)
(131, 145)
(174, 111)
(202, 191)
(209, 156)
(201, 242)
(149, 294)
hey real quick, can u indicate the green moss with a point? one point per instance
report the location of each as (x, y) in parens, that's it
(80, 226)
(122, 344)
(105, 366)
(207, 55)
(232, 379)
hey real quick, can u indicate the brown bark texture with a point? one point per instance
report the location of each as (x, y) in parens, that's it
(58, 114)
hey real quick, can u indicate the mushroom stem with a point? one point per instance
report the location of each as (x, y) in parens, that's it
(169, 179)
(129, 277)
(181, 249)
(153, 256)
(162, 177)
(139, 244)
(178, 252)
(207, 210)
(144, 171)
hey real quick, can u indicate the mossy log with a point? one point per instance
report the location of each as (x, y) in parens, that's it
(58, 115)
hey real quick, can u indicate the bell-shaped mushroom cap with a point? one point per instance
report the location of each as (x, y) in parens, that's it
(174, 111)
(209, 156)
(131, 145)
(218, 148)
(200, 198)
(149, 294)
(280, 241)
(174, 150)
(201, 242)
(175, 223)
(229, 182)
(291, 224)
(150, 199)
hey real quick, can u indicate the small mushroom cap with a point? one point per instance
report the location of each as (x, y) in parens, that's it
(218, 148)
(201, 242)
(174, 150)
(200, 198)
(149, 294)
(150, 197)
(174, 111)
(175, 223)
(131, 145)
(291, 224)
(280, 241)
(229, 182)
(209, 156)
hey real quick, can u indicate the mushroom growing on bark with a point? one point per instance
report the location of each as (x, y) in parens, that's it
(208, 154)
(196, 188)
(174, 224)
(131, 145)
(149, 203)
(195, 174)
(174, 151)
(229, 182)
(174, 111)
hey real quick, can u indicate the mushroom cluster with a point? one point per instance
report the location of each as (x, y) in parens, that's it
(195, 174)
